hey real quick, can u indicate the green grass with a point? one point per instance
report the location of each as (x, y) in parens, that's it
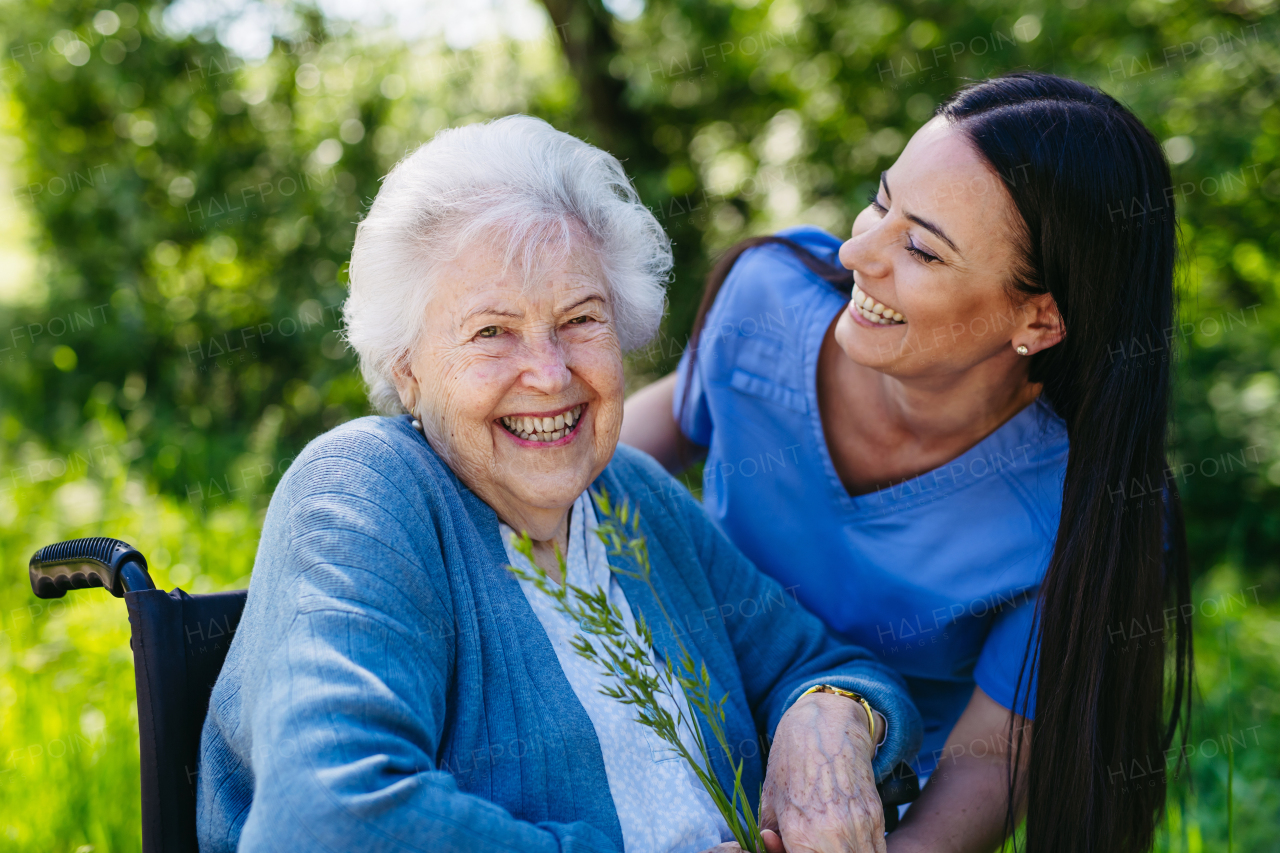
(68, 721)
(1236, 731)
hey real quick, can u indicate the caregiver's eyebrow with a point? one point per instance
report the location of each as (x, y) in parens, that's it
(923, 223)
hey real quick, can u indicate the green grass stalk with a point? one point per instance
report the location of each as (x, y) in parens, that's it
(632, 678)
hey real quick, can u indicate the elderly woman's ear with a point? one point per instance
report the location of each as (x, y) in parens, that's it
(406, 385)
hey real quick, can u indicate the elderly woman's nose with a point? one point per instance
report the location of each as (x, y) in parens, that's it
(545, 366)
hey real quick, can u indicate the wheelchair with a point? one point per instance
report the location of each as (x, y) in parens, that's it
(179, 644)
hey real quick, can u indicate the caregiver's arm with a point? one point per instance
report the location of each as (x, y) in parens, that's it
(962, 807)
(648, 424)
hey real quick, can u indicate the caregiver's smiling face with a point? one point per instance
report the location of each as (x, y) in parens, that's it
(518, 383)
(931, 255)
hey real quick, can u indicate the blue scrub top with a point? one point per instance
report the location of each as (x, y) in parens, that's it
(937, 575)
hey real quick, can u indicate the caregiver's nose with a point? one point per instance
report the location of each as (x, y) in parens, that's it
(867, 252)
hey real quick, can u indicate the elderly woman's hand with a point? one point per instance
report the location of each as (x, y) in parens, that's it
(820, 791)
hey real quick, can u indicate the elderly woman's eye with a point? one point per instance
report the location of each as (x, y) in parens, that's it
(578, 321)
(489, 332)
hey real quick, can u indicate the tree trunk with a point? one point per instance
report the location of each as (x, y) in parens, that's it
(583, 27)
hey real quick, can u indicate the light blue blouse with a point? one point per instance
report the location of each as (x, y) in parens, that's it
(661, 805)
(937, 575)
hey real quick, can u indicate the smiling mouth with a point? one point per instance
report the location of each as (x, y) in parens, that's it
(544, 429)
(876, 312)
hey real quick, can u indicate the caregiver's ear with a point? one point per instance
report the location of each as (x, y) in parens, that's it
(1039, 324)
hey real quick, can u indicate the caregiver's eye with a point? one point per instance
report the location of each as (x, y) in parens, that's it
(875, 202)
(489, 332)
(921, 253)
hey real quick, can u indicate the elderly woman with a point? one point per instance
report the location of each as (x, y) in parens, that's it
(392, 685)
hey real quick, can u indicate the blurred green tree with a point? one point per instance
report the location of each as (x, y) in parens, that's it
(195, 210)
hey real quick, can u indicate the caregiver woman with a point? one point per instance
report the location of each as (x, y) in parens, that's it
(893, 443)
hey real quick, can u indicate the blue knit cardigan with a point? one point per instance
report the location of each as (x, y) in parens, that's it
(390, 689)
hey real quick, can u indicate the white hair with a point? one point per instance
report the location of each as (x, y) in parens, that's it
(515, 183)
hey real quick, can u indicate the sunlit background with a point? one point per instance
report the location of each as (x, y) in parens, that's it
(179, 187)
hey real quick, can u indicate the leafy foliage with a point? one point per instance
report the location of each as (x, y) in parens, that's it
(195, 211)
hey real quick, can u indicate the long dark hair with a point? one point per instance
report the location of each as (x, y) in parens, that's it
(1090, 183)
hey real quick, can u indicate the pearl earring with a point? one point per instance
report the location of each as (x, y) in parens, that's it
(1021, 349)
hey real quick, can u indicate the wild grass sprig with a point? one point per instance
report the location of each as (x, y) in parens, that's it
(631, 676)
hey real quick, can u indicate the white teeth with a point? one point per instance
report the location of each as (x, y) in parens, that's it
(544, 429)
(875, 318)
(875, 311)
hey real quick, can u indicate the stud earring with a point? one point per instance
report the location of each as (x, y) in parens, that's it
(1021, 349)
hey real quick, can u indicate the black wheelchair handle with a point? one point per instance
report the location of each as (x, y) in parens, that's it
(84, 563)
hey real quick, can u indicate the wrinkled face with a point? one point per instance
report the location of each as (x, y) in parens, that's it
(519, 387)
(930, 257)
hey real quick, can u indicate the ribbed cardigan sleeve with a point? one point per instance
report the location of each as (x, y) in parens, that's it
(781, 649)
(347, 701)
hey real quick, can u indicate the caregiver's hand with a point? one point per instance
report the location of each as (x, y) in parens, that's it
(819, 791)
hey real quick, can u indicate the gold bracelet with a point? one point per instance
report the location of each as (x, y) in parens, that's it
(871, 717)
